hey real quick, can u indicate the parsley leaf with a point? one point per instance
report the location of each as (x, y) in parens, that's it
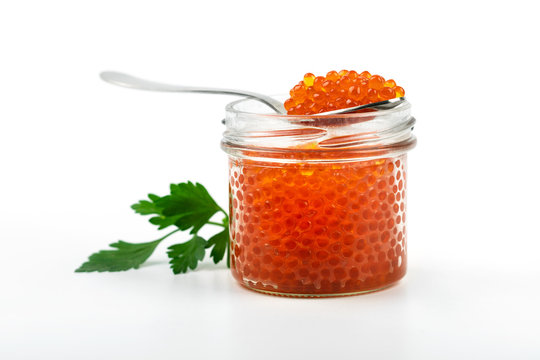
(126, 256)
(220, 242)
(188, 206)
(186, 255)
(145, 207)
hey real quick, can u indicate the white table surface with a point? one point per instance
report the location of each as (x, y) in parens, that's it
(75, 153)
(438, 311)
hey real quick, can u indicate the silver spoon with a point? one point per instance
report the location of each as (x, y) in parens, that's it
(125, 80)
(133, 82)
(380, 105)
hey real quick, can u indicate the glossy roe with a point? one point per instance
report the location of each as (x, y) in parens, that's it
(318, 229)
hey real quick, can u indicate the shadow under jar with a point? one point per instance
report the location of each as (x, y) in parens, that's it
(317, 203)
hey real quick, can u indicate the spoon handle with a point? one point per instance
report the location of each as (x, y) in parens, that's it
(125, 80)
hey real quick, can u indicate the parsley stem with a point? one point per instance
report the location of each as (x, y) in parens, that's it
(228, 254)
(216, 223)
(224, 213)
(169, 234)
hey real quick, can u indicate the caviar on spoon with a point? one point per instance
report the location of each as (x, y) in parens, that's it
(343, 91)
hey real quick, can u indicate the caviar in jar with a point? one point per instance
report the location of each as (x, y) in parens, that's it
(318, 205)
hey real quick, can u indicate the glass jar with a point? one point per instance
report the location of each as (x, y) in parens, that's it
(317, 203)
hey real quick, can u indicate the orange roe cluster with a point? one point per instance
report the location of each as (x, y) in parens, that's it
(305, 229)
(339, 90)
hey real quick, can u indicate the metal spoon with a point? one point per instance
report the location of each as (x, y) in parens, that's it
(125, 80)
(132, 82)
(380, 105)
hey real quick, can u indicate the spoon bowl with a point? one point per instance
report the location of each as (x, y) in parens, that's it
(380, 105)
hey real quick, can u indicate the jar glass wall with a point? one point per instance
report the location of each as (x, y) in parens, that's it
(317, 204)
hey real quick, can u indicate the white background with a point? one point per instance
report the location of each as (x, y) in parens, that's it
(75, 153)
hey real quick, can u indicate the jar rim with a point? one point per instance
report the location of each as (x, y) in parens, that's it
(317, 138)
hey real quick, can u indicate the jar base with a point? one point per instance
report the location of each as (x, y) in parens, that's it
(293, 295)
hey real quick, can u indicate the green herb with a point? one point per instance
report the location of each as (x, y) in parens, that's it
(187, 207)
(187, 255)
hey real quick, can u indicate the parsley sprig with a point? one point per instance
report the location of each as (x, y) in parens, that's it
(188, 207)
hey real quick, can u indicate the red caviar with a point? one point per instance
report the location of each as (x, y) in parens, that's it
(316, 94)
(318, 228)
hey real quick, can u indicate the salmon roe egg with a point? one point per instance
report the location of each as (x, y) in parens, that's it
(390, 83)
(376, 82)
(332, 75)
(399, 91)
(365, 74)
(387, 93)
(289, 104)
(338, 90)
(308, 79)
